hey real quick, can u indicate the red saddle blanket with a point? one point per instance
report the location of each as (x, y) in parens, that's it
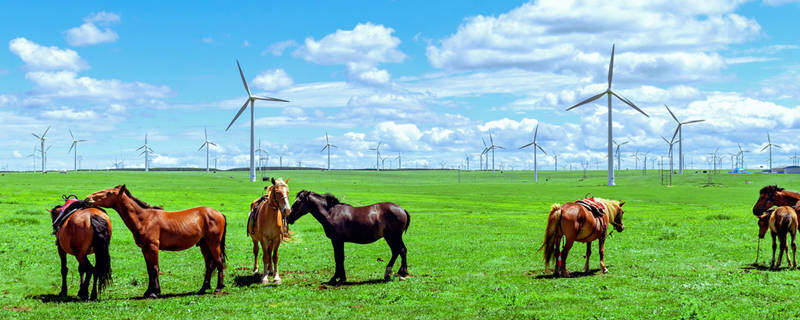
(597, 208)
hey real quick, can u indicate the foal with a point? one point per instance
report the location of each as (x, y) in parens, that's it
(780, 221)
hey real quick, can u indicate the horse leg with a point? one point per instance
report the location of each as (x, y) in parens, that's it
(588, 254)
(150, 253)
(774, 246)
(338, 255)
(215, 246)
(64, 270)
(266, 257)
(602, 250)
(557, 254)
(564, 253)
(209, 268)
(86, 270)
(782, 239)
(255, 258)
(276, 244)
(403, 272)
(395, 252)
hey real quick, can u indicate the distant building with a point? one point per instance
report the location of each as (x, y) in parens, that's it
(792, 169)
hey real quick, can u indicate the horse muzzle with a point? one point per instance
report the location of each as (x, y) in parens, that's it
(619, 228)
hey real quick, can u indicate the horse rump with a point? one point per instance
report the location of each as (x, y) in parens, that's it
(551, 234)
(100, 242)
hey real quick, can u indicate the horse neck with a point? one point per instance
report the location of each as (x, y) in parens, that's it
(788, 198)
(129, 211)
(321, 213)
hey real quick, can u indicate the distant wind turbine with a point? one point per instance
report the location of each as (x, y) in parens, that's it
(75, 147)
(610, 93)
(377, 156)
(206, 144)
(770, 145)
(680, 137)
(250, 100)
(671, 143)
(146, 151)
(492, 147)
(328, 146)
(41, 140)
(618, 155)
(535, 146)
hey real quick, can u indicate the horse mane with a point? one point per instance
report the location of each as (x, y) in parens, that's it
(612, 206)
(330, 199)
(140, 202)
(770, 189)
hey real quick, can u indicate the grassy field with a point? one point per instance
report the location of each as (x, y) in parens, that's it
(686, 251)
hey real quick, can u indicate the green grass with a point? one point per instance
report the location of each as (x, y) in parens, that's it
(685, 253)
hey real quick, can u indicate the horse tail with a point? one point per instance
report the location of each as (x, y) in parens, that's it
(408, 220)
(552, 234)
(101, 241)
(222, 242)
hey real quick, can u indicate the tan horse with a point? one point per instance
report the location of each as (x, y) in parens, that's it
(154, 229)
(267, 227)
(86, 231)
(576, 223)
(780, 221)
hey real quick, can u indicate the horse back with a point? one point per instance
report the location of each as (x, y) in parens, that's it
(191, 224)
(268, 222)
(783, 220)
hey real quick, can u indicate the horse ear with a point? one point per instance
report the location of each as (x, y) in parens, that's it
(122, 189)
(273, 180)
(287, 180)
(621, 203)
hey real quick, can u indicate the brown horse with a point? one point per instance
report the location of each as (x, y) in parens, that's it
(780, 221)
(85, 231)
(770, 196)
(154, 229)
(345, 223)
(266, 227)
(576, 223)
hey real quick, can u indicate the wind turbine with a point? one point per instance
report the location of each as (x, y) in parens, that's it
(33, 155)
(250, 100)
(483, 155)
(610, 93)
(492, 147)
(41, 140)
(680, 137)
(328, 146)
(714, 155)
(535, 146)
(671, 143)
(261, 152)
(555, 165)
(770, 145)
(618, 155)
(74, 146)
(377, 156)
(741, 156)
(207, 144)
(146, 151)
(399, 161)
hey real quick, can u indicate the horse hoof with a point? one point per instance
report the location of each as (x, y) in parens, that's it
(403, 278)
(278, 281)
(150, 295)
(605, 270)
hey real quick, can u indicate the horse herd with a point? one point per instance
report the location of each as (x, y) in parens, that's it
(83, 228)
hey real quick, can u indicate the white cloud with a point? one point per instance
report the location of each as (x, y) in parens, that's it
(89, 34)
(667, 40)
(117, 108)
(272, 80)
(207, 40)
(361, 50)
(37, 57)
(277, 48)
(17, 154)
(69, 114)
(67, 84)
(246, 43)
(163, 160)
(404, 136)
(102, 17)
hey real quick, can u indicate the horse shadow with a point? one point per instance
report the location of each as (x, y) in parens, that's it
(246, 280)
(325, 285)
(169, 295)
(54, 298)
(763, 267)
(574, 274)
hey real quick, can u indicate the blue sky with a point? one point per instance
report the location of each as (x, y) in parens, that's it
(429, 79)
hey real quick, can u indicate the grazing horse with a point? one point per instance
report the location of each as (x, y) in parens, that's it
(266, 227)
(780, 221)
(577, 223)
(87, 230)
(770, 196)
(154, 229)
(345, 223)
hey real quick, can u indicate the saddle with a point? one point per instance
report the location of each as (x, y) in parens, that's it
(71, 204)
(253, 216)
(597, 208)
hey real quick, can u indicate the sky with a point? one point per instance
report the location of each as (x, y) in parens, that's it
(427, 79)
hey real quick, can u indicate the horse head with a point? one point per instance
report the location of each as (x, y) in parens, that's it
(617, 218)
(300, 206)
(766, 199)
(763, 224)
(106, 198)
(55, 212)
(279, 193)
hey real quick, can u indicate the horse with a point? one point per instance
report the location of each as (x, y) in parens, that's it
(267, 227)
(576, 223)
(780, 221)
(86, 231)
(770, 196)
(154, 229)
(345, 223)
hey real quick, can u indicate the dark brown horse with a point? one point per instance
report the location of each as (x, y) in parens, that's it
(780, 222)
(154, 229)
(85, 231)
(345, 223)
(576, 223)
(771, 196)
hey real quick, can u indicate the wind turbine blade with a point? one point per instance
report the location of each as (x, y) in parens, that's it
(205, 134)
(740, 147)
(71, 135)
(45, 131)
(665, 140)
(611, 67)
(323, 148)
(628, 102)
(37, 137)
(672, 114)
(491, 140)
(72, 146)
(768, 139)
(499, 147)
(82, 140)
(675, 134)
(527, 145)
(269, 99)
(764, 148)
(540, 148)
(202, 145)
(536, 133)
(238, 114)
(593, 98)
(622, 144)
(213, 144)
(243, 80)
(334, 146)
(326, 138)
(777, 146)
(693, 121)
(484, 141)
